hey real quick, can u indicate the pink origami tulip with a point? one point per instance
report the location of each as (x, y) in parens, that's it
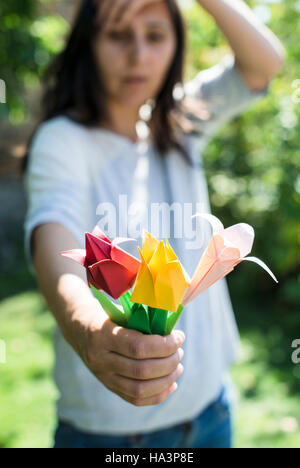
(109, 268)
(227, 248)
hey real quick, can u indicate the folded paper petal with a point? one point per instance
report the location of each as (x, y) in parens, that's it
(96, 249)
(226, 249)
(217, 261)
(150, 244)
(170, 286)
(216, 224)
(119, 255)
(158, 260)
(143, 292)
(108, 267)
(161, 280)
(78, 255)
(239, 235)
(97, 277)
(172, 256)
(97, 231)
(263, 265)
(116, 279)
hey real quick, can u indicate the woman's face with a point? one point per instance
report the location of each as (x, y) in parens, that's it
(143, 48)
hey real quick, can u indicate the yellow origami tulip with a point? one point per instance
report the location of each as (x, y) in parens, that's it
(161, 279)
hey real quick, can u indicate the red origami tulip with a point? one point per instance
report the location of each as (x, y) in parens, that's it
(109, 268)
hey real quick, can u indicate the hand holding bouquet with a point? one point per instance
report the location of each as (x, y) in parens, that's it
(161, 286)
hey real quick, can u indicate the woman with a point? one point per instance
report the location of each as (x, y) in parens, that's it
(116, 385)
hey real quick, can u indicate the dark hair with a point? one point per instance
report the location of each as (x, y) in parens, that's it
(73, 87)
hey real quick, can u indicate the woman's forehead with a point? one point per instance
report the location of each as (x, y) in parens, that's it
(154, 12)
(153, 15)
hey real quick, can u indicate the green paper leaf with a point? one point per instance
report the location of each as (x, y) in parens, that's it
(126, 304)
(139, 319)
(115, 312)
(158, 320)
(151, 314)
(172, 319)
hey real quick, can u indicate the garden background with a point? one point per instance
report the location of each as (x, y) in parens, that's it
(253, 170)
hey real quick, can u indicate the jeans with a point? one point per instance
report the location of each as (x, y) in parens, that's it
(212, 428)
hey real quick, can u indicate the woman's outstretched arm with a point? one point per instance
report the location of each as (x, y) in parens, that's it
(258, 52)
(141, 369)
(63, 283)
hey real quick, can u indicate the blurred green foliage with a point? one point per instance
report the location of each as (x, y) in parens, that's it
(28, 40)
(253, 163)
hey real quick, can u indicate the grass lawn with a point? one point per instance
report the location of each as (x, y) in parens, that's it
(267, 383)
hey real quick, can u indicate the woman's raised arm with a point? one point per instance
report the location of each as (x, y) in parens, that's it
(258, 52)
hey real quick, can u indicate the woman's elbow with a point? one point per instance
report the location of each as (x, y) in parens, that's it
(278, 60)
(272, 68)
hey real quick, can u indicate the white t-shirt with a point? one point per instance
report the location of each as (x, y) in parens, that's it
(73, 171)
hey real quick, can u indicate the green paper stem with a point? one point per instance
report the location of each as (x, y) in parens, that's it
(115, 313)
(159, 320)
(126, 304)
(139, 319)
(151, 314)
(173, 319)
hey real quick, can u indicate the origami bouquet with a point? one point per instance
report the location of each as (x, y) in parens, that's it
(161, 286)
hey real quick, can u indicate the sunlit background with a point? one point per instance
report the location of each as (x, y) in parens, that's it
(253, 169)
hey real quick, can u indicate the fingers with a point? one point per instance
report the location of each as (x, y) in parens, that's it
(143, 369)
(139, 390)
(140, 368)
(152, 400)
(136, 345)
